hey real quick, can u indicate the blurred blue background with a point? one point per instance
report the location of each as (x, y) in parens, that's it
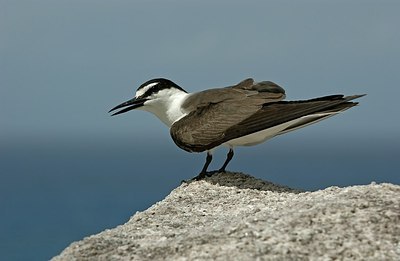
(68, 169)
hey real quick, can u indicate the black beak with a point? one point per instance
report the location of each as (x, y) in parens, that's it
(133, 104)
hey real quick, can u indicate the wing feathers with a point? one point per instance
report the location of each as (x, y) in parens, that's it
(273, 114)
(220, 115)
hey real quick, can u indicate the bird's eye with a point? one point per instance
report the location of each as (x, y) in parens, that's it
(146, 90)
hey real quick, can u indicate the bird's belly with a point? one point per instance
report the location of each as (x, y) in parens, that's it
(258, 137)
(261, 136)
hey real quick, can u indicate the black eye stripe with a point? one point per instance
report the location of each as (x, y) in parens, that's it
(161, 85)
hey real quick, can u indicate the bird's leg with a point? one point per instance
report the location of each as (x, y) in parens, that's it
(203, 172)
(229, 156)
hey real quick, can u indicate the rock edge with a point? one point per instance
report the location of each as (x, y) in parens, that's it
(233, 216)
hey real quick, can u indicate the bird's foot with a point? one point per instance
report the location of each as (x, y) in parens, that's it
(221, 170)
(202, 175)
(212, 173)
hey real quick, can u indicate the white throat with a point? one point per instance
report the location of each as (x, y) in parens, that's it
(167, 105)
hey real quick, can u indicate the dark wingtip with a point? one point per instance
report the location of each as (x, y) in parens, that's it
(352, 97)
(115, 113)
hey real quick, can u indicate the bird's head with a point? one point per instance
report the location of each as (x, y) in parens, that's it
(154, 95)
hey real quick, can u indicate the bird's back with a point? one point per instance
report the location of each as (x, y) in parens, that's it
(217, 116)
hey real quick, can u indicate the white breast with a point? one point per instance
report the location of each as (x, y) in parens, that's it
(167, 105)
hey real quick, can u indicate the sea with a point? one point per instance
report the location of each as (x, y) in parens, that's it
(56, 191)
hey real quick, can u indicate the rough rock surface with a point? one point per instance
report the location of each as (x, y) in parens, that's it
(233, 216)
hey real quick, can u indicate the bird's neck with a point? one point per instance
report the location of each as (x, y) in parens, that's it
(168, 109)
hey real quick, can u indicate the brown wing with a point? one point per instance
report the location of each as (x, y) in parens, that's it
(259, 93)
(215, 111)
(206, 127)
(201, 128)
(273, 114)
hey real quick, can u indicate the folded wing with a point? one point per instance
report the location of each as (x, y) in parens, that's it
(214, 111)
(244, 109)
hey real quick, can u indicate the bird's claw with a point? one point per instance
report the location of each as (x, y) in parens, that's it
(202, 176)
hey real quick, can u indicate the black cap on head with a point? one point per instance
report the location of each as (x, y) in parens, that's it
(158, 84)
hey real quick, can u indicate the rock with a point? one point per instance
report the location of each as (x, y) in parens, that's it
(232, 216)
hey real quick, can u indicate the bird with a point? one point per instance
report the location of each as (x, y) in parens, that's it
(244, 114)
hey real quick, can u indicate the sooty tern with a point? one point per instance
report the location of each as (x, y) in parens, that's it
(245, 114)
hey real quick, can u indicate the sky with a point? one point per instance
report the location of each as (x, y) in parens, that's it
(64, 64)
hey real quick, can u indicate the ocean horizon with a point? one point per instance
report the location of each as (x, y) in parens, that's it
(54, 193)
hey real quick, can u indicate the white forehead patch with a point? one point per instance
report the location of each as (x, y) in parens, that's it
(145, 89)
